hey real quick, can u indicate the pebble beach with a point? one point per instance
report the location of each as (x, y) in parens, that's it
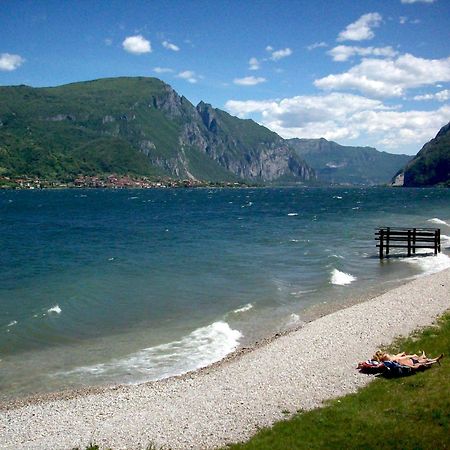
(230, 400)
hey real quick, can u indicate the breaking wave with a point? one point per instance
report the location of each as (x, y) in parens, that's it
(430, 264)
(200, 348)
(55, 309)
(439, 221)
(244, 308)
(341, 278)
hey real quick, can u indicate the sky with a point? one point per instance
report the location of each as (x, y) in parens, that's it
(358, 72)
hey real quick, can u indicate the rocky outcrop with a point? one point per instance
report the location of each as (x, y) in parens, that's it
(431, 166)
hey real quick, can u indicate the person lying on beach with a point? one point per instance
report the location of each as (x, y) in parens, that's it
(399, 364)
(413, 361)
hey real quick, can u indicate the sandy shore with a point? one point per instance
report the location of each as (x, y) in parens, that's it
(228, 402)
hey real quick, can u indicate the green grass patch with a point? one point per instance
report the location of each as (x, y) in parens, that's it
(404, 413)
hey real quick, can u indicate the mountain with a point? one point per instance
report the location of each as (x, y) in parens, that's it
(137, 126)
(431, 166)
(338, 164)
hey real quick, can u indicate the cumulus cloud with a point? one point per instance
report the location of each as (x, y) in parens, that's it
(169, 46)
(344, 117)
(188, 75)
(9, 62)
(345, 52)
(361, 29)
(162, 70)
(276, 55)
(389, 78)
(253, 64)
(317, 45)
(441, 96)
(137, 45)
(249, 81)
(417, 1)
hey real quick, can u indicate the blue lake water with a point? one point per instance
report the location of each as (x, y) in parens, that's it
(124, 286)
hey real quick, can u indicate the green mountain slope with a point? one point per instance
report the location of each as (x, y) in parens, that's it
(340, 164)
(431, 166)
(136, 126)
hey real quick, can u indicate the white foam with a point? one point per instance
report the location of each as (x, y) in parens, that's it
(294, 240)
(337, 197)
(293, 319)
(198, 349)
(244, 308)
(292, 214)
(12, 323)
(56, 309)
(341, 278)
(439, 221)
(445, 238)
(430, 264)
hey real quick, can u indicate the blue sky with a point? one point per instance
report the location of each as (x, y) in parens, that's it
(359, 72)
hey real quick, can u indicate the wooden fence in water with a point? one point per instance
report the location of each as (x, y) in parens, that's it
(408, 238)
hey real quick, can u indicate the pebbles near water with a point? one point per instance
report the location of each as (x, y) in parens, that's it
(230, 401)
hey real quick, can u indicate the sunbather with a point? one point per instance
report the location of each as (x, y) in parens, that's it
(413, 361)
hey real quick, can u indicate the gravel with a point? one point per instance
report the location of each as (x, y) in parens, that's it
(229, 401)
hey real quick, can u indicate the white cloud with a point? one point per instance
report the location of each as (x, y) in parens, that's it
(188, 75)
(169, 46)
(317, 45)
(9, 62)
(441, 96)
(254, 64)
(350, 118)
(137, 45)
(162, 70)
(404, 19)
(278, 54)
(249, 81)
(389, 78)
(345, 52)
(417, 1)
(361, 29)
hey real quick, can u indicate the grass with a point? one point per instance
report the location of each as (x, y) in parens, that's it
(405, 413)
(401, 413)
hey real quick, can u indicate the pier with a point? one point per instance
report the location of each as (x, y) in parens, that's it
(407, 238)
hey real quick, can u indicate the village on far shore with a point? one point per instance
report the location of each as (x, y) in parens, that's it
(112, 181)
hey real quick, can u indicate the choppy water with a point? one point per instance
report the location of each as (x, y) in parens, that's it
(105, 286)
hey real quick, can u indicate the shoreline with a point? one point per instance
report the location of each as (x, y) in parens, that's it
(229, 400)
(311, 314)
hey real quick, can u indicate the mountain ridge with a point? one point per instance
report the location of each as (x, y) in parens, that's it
(144, 123)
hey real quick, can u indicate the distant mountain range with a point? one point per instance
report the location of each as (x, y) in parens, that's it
(338, 164)
(141, 126)
(431, 166)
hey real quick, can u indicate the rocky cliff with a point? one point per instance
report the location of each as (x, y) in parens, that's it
(137, 126)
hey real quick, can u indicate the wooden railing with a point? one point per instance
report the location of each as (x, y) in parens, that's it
(409, 238)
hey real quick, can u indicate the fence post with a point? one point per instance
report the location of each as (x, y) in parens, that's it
(409, 242)
(381, 243)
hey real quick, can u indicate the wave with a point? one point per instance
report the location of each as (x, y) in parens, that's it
(341, 278)
(56, 309)
(292, 214)
(445, 238)
(12, 323)
(293, 320)
(244, 308)
(430, 264)
(198, 349)
(439, 221)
